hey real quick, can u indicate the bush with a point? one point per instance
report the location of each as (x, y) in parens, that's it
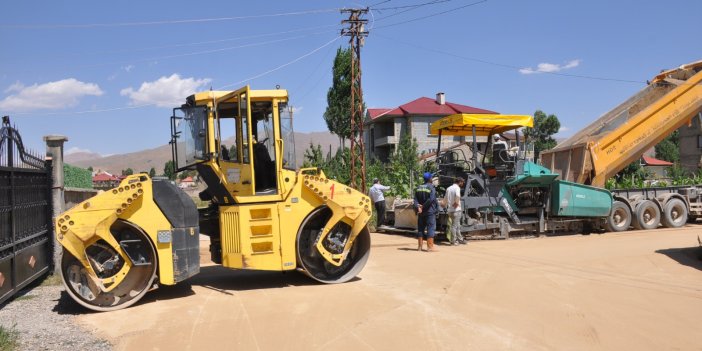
(76, 177)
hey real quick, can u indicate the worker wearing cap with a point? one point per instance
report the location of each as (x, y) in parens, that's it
(376, 195)
(427, 206)
(498, 141)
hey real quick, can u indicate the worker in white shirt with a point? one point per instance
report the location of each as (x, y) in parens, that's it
(499, 143)
(376, 195)
(453, 208)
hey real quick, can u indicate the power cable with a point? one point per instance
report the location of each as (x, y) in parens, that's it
(319, 79)
(502, 65)
(408, 6)
(151, 23)
(152, 59)
(283, 65)
(153, 104)
(254, 36)
(432, 15)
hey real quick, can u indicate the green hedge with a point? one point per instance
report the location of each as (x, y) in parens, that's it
(76, 177)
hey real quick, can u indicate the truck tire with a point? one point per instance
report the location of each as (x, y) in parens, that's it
(674, 213)
(648, 216)
(619, 217)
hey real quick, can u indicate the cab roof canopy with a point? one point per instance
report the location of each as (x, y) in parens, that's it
(485, 124)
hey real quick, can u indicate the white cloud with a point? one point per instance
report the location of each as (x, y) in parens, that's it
(563, 129)
(165, 92)
(48, 96)
(550, 67)
(128, 68)
(296, 109)
(17, 86)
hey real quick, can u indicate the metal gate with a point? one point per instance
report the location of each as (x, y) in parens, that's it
(25, 213)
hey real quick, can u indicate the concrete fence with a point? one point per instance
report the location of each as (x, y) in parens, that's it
(74, 196)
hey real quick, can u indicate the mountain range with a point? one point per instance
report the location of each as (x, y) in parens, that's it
(142, 161)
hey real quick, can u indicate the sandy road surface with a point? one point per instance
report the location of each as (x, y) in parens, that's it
(631, 291)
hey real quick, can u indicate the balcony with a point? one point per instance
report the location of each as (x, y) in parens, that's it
(385, 141)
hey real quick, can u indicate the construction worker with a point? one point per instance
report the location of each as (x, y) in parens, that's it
(453, 209)
(499, 143)
(376, 195)
(426, 206)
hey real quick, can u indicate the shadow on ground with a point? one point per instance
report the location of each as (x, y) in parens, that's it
(217, 278)
(688, 256)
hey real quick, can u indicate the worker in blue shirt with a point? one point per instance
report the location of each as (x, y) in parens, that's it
(426, 206)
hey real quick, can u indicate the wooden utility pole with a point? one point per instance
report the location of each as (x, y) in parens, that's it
(356, 33)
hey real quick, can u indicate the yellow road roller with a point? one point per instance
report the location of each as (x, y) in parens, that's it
(263, 214)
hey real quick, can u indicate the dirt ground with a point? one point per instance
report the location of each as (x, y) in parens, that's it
(632, 291)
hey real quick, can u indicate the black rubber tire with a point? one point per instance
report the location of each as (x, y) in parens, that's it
(314, 265)
(135, 285)
(647, 216)
(674, 213)
(619, 218)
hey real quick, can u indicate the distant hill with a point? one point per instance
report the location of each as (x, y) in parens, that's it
(142, 161)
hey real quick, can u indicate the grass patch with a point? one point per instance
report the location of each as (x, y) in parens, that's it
(51, 280)
(9, 339)
(24, 297)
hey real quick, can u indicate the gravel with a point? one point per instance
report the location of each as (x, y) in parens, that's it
(44, 316)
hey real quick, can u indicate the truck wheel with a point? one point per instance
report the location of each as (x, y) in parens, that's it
(674, 214)
(619, 217)
(648, 216)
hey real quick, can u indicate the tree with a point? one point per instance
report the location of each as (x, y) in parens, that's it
(541, 134)
(169, 170)
(76, 177)
(90, 168)
(338, 167)
(404, 169)
(669, 148)
(127, 172)
(314, 157)
(152, 172)
(338, 112)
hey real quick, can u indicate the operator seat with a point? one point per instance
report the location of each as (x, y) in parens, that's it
(264, 169)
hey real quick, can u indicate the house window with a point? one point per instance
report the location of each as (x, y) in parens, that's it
(429, 130)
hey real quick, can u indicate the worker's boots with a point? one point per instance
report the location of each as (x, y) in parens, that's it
(430, 245)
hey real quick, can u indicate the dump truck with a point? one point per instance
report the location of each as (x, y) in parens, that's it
(262, 213)
(671, 99)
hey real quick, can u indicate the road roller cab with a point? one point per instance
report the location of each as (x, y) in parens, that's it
(262, 213)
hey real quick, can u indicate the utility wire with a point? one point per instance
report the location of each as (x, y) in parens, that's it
(283, 65)
(408, 6)
(502, 65)
(432, 15)
(254, 36)
(203, 52)
(411, 8)
(147, 105)
(152, 23)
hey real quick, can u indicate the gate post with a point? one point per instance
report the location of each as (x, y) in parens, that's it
(54, 150)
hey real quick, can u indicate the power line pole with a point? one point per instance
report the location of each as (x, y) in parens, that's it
(356, 33)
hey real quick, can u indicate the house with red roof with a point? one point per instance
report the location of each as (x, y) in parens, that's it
(105, 181)
(384, 127)
(657, 168)
(186, 182)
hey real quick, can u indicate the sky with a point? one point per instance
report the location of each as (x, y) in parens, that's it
(107, 74)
